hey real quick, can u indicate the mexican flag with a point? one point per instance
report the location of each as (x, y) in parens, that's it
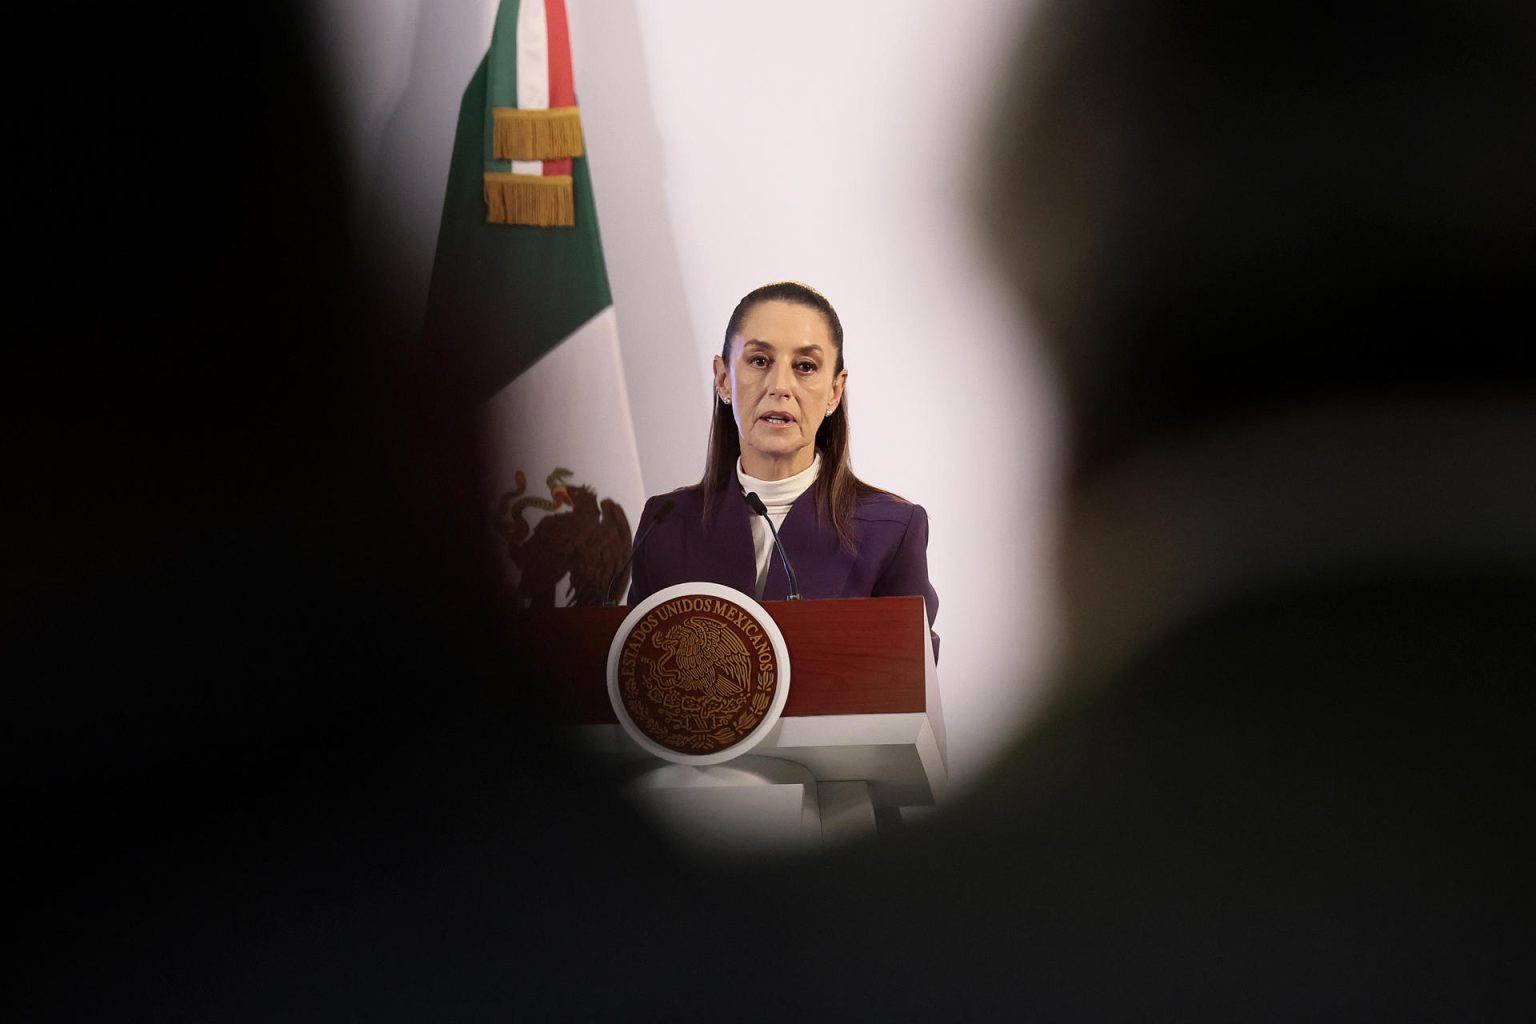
(520, 317)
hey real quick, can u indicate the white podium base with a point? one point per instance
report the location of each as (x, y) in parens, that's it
(751, 807)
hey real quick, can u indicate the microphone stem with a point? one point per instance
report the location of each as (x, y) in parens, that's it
(794, 587)
(758, 508)
(634, 549)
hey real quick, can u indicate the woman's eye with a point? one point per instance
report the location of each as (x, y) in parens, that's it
(807, 367)
(758, 361)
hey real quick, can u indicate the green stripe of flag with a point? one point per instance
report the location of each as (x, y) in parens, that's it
(501, 79)
(501, 295)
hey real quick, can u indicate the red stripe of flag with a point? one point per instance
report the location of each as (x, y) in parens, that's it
(562, 86)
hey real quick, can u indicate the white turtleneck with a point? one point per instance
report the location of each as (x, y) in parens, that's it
(777, 496)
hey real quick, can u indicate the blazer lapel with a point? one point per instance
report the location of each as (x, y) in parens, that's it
(730, 551)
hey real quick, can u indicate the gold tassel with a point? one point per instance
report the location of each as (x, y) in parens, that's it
(545, 201)
(553, 134)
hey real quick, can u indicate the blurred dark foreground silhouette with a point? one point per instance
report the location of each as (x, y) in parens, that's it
(267, 758)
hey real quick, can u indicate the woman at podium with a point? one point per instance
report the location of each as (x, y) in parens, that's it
(778, 464)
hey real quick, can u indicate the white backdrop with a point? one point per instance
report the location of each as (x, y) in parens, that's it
(732, 144)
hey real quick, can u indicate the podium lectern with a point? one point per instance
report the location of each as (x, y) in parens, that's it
(860, 740)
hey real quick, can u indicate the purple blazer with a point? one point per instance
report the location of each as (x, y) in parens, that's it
(892, 537)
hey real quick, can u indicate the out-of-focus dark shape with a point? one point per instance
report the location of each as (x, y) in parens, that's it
(1279, 254)
(266, 756)
(1213, 212)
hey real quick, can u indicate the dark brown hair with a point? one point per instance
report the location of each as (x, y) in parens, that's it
(838, 491)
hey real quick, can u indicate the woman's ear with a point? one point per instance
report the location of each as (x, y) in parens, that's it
(838, 383)
(722, 381)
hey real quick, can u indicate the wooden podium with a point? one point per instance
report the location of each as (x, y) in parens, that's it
(859, 746)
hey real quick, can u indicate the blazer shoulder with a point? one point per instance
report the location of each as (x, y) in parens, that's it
(885, 507)
(685, 500)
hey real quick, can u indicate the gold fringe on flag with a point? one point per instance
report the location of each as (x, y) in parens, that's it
(545, 201)
(553, 134)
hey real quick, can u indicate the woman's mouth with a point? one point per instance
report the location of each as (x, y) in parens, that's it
(777, 419)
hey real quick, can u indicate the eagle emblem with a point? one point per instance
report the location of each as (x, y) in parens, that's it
(695, 670)
(705, 665)
(577, 550)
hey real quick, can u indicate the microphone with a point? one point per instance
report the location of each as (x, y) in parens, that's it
(756, 505)
(661, 513)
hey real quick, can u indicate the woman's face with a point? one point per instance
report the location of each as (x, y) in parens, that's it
(781, 382)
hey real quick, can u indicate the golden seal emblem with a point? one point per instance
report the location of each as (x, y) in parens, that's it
(698, 673)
